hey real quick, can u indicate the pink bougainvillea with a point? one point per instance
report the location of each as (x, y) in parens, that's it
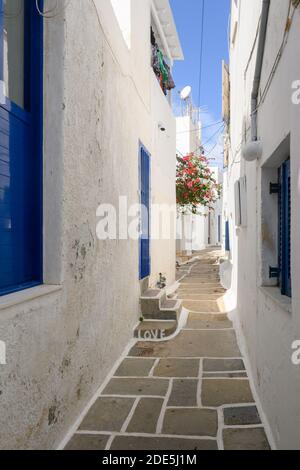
(195, 184)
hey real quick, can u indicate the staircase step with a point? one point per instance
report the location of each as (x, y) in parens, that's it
(203, 306)
(170, 304)
(155, 330)
(194, 296)
(152, 294)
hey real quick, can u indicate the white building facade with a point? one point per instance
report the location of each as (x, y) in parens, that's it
(261, 202)
(102, 107)
(197, 232)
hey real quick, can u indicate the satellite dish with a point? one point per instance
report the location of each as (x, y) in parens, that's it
(186, 93)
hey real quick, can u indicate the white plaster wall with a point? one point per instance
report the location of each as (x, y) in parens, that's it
(100, 101)
(163, 188)
(218, 209)
(267, 321)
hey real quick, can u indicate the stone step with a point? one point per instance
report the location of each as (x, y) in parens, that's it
(205, 306)
(200, 286)
(155, 330)
(151, 301)
(170, 309)
(205, 275)
(213, 290)
(204, 278)
(193, 296)
(203, 288)
(205, 267)
(208, 321)
(156, 306)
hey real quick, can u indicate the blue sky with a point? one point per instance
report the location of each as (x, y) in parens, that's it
(188, 15)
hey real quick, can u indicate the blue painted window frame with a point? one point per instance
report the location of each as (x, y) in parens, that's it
(284, 229)
(33, 115)
(145, 201)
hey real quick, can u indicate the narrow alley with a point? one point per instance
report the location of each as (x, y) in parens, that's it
(149, 226)
(188, 393)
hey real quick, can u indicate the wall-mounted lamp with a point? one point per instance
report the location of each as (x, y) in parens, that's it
(252, 151)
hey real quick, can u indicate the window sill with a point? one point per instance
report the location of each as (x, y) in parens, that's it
(27, 295)
(285, 303)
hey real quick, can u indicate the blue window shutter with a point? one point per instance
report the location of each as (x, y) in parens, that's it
(284, 229)
(21, 165)
(145, 263)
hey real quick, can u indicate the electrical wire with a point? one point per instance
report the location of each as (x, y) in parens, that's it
(52, 12)
(214, 135)
(279, 55)
(201, 52)
(211, 150)
(271, 75)
(200, 128)
(210, 139)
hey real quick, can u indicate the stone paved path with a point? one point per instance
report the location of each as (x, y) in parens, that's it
(188, 393)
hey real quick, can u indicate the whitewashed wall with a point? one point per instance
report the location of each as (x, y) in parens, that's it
(101, 99)
(268, 322)
(218, 212)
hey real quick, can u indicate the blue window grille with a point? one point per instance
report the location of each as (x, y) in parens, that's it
(284, 229)
(21, 114)
(144, 167)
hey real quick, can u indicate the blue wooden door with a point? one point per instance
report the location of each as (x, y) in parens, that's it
(20, 145)
(145, 263)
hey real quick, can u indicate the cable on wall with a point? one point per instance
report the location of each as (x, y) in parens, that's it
(279, 54)
(52, 12)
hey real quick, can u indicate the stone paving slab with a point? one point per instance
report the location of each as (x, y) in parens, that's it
(177, 368)
(217, 392)
(208, 340)
(135, 368)
(245, 439)
(137, 387)
(191, 422)
(87, 442)
(219, 365)
(225, 375)
(209, 321)
(146, 416)
(161, 443)
(192, 344)
(241, 416)
(184, 393)
(107, 414)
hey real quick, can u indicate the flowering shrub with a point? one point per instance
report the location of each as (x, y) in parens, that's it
(195, 184)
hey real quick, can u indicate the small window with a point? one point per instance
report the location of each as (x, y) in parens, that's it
(284, 229)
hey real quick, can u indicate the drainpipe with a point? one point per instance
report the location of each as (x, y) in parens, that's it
(258, 67)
